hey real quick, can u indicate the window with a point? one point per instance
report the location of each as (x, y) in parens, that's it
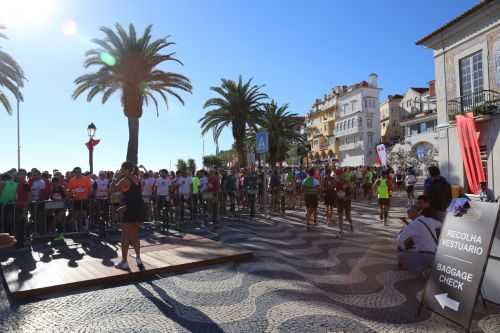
(431, 125)
(423, 128)
(344, 108)
(353, 105)
(471, 77)
(414, 129)
(370, 139)
(360, 122)
(369, 122)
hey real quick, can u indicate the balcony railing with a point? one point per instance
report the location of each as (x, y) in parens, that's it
(482, 102)
(351, 146)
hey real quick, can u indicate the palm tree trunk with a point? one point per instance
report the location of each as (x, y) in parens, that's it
(133, 139)
(241, 151)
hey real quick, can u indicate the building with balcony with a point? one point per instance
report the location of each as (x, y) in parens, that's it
(320, 129)
(357, 122)
(467, 71)
(419, 119)
(390, 118)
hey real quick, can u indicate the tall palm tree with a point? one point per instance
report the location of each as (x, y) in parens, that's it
(11, 77)
(281, 127)
(239, 106)
(129, 64)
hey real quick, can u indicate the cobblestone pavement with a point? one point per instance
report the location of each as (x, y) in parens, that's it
(300, 281)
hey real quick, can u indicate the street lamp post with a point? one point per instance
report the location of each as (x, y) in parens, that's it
(91, 133)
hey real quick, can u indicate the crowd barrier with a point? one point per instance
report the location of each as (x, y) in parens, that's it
(49, 218)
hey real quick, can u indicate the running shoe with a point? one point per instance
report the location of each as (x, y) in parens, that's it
(122, 265)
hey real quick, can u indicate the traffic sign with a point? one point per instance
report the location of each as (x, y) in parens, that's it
(460, 262)
(262, 142)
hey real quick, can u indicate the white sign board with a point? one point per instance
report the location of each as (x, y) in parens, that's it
(382, 154)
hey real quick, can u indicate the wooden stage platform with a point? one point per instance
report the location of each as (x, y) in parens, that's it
(53, 267)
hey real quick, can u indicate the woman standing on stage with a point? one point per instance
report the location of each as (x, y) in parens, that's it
(133, 211)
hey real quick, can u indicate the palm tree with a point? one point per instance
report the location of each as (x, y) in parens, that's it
(129, 64)
(281, 127)
(239, 106)
(11, 77)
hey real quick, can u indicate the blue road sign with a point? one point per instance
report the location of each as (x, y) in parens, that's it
(262, 142)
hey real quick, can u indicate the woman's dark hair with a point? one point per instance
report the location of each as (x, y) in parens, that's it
(311, 172)
(129, 166)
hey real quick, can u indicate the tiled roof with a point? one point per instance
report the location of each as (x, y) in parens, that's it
(420, 90)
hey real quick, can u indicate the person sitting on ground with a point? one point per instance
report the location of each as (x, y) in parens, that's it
(417, 241)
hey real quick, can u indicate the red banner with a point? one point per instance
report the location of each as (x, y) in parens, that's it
(469, 145)
(92, 143)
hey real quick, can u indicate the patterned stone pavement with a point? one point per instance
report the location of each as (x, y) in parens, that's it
(299, 281)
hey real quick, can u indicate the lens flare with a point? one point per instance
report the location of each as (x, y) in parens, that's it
(68, 28)
(108, 59)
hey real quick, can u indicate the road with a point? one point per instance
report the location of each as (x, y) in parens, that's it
(300, 281)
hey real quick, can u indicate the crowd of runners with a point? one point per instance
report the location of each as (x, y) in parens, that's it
(38, 203)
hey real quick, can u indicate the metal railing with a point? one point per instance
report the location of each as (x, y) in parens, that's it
(482, 102)
(46, 219)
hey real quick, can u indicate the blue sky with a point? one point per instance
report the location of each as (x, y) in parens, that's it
(298, 49)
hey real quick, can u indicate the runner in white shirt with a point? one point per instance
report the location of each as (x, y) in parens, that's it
(101, 190)
(148, 185)
(418, 241)
(410, 181)
(163, 187)
(184, 187)
(101, 187)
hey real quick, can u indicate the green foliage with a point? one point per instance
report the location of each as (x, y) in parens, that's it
(191, 163)
(212, 161)
(238, 105)
(226, 156)
(181, 165)
(281, 127)
(11, 77)
(134, 72)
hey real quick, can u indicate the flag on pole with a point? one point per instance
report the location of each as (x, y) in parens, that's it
(382, 155)
(92, 143)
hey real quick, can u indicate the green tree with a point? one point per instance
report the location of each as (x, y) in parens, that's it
(226, 156)
(129, 64)
(191, 163)
(282, 128)
(212, 161)
(181, 164)
(239, 106)
(11, 77)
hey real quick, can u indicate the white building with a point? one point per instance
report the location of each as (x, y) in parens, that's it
(466, 54)
(420, 119)
(357, 127)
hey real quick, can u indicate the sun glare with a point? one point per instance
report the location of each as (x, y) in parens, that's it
(26, 12)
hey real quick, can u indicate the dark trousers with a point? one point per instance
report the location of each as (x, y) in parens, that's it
(20, 229)
(195, 199)
(7, 218)
(251, 204)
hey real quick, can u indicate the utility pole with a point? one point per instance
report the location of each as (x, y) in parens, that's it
(18, 138)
